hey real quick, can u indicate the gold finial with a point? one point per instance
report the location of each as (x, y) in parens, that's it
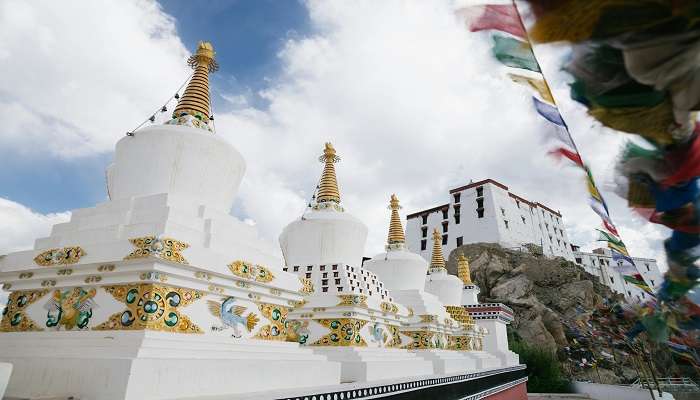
(195, 101)
(437, 260)
(463, 269)
(328, 188)
(396, 234)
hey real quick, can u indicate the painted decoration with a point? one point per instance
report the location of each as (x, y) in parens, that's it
(420, 340)
(251, 271)
(232, 316)
(60, 256)
(352, 300)
(307, 286)
(343, 332)
(457, 342)
(14, 317)
(277, 316)
(298, 331)
(164, 248)
(379, 334)
(395, 336)
(70, 308)
(152, 307)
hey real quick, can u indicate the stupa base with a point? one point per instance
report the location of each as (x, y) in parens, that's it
(155, 365)
(362, 364)
(448, 361)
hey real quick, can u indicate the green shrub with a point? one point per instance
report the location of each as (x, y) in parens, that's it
(544, 372)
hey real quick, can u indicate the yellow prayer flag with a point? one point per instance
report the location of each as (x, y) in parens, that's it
(537, 84)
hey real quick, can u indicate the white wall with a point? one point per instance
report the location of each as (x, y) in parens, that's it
(598, 391)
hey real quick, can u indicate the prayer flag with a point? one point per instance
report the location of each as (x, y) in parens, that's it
(549, 112)
(571, 155)
(514, 53)
(502, 17)
(610, 228)
(606, 237)
(539, 85)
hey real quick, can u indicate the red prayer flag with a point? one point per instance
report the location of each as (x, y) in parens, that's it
(610, 228)
(502, 17)
(685, 161)
(571, 155)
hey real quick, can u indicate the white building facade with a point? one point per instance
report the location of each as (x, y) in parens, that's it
(486, 211)
(600, 263)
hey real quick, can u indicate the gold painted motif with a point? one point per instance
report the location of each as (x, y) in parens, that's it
(410, 312)
(65, 271)
(60, 256)
(343, 332)
(275, 292)
(242, 284)
(357, 300)
(421, 339)
(106, 268)
(461, 315)
(26, 275)
(6, 286)
(428, 318)
(276, 329)
(164, 248)
(152, 307)
(70, 308)
(296, 303)
(307, 286)
(395, 336)
(254, 296)
(153, 276)
(328, 187)
(217, 289)
(48, 283)
(298, 331)
(457, 342)
(14, 317)
(202, 275)
(385, 307)
(396, 235)
(463, 270)
(251, 271)
(93, 279)
(437, 260)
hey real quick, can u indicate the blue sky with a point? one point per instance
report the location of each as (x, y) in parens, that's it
(247, 36)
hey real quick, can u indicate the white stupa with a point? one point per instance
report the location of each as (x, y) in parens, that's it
(447, 287)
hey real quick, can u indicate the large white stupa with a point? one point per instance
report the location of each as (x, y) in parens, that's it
(159, 293)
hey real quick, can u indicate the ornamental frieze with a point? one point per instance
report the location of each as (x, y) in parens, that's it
(277, 316)
(251, 271)
(152, 307)
(14, 317)
(60, 256)
(164, 248)
(357, 300)
(343, 332)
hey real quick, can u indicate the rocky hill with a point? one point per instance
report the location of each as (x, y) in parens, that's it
(543, 292)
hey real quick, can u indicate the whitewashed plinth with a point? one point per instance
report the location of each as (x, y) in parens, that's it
(484, 360)
(156, 365)
(448, 361)
(5, 372)
(360, 364)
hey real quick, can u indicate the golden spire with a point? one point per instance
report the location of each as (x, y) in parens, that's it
(463, 269)
(328, 188)
(437, 260)
(195, 100)
(396, 234)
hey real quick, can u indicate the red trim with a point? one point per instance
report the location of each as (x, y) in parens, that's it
(428, 211)
(471, 185)
(515, 196)
(518, 392)
(548, 209)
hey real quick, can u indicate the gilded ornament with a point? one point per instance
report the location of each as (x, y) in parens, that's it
(6, 286)
(251, 271)
(463, 270)
(385, 307)
(428, 318)
(152, 307)
(232, 316)
(242, 284)
(275, 292)
(459, 342)
(194, 107)
(14, 317)
(93, 279)
(396, 234)
(379, 334)
(357, 300)
(164, 248)
(277, 316)
(48, 283)
(59, 256)
(298, 331)
(318, 309)
(70, 308)
(328, 187)
(153, 276)
(343, 332)
(202, 275)
(26, 275)
(307, 286)
(421, 339)
(410, 312)
(253, 296)
(395, 336)
(296, 303)
(65, 271)
(217, 289)
(106, 268)
(437, 261)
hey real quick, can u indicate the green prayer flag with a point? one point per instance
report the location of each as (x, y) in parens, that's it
(514, 53)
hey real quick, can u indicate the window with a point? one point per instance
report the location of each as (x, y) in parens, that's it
(479, 203)
(479, 191)
(335, 274)
(324, 282)
(296, 268)
(517, 203)
(309, 268)
(457, 219)
(308, 275)
(480, 213)
(424, 218)
(444, 239)
(647, 265)
(459, 241)
(629, 293)
(612, 280)
(337, 281)
(322, 267)
(422, 245)
(284, 269)
(505, 222)
(444, 214)
(457, 196)
(335, 266)
(340, 288)
(324, 289)
(523, 218)
(424, 231)
(652, 282)
(578, 260)
(325, 274)
(444, 227)
(503, 211)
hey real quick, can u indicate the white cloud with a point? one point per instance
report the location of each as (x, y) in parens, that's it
(415, 105)
(21, 226)
(78, 75)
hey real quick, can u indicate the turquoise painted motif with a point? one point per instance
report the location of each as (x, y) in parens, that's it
(70, 308)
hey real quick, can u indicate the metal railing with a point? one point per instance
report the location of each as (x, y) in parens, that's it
(670, 384)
